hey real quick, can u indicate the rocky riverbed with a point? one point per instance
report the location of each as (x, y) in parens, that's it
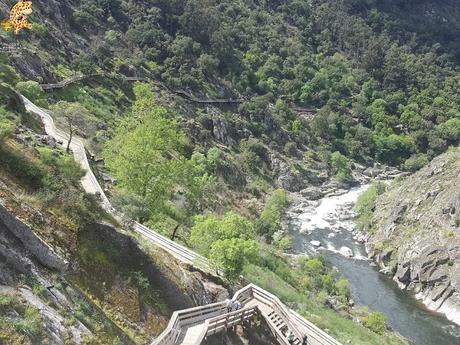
(326, 225)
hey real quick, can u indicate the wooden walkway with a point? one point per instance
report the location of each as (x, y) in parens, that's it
(184, 94)
(191, 326)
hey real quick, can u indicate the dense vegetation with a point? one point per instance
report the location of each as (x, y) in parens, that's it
(324, 84)
(381, 93)
(378, 97)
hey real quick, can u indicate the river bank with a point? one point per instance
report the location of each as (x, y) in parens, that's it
(326, 226)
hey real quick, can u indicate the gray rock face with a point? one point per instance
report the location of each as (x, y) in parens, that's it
(290, 179)
(23, 252)
(416, 234)
(312, 193)
(31, 241)
(220, 131)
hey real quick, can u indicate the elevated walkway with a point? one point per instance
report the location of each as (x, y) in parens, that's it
(191, 326)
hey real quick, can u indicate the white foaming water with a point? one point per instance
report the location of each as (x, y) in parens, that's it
(356, 256)
(320, 217)
(329, 225)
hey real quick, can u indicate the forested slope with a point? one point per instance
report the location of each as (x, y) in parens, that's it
(324, 84)
(380, 94)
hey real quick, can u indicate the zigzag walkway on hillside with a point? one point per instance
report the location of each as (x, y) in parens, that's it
(92, 186)
(191, 326)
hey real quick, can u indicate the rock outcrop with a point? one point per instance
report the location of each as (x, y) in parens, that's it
(416, 234)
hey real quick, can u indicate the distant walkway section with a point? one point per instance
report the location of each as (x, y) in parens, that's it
(187, 95)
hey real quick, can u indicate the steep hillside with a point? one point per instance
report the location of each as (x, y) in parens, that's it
(431, 20)
(241, 102)
(415, 233)
(68, 272)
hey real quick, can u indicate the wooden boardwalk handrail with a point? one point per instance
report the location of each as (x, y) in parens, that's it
(215, 318)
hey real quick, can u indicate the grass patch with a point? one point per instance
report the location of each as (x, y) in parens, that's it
(19, 323)
(365, 205)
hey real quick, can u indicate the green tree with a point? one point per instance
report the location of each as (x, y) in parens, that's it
(270, 218)
(32, 90)
(209, 229)
(75, 116)
(141, 152)
(342, 289)
(341, 167)
(449, 131)
(394, 149)
(228, 242)
(230, 255)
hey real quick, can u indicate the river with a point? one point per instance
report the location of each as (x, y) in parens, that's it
(326, 227)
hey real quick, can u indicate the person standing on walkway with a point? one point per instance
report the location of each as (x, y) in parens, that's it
(228, 304)
(290, 338)
(305, 340)
(236, 305)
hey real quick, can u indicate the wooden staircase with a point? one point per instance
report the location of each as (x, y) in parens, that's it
(192, 326)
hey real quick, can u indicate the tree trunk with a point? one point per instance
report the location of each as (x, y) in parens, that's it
(70, 140)
(173, 236)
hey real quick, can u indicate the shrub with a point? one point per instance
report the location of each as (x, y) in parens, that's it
(270, 218)
(33, 91)
(365, 205)
(255, 146)
(283, 243)
(342, 289)
(30, 325)
(290, 149)
(70, 169)
(279, 266)
(6, 129)
(416, 162)
(375, 321)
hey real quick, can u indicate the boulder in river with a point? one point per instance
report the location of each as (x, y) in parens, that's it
(315, 243)
(347, 252)
(312, 193)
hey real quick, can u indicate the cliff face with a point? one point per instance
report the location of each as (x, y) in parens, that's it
(416, 233)
(99, 286)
